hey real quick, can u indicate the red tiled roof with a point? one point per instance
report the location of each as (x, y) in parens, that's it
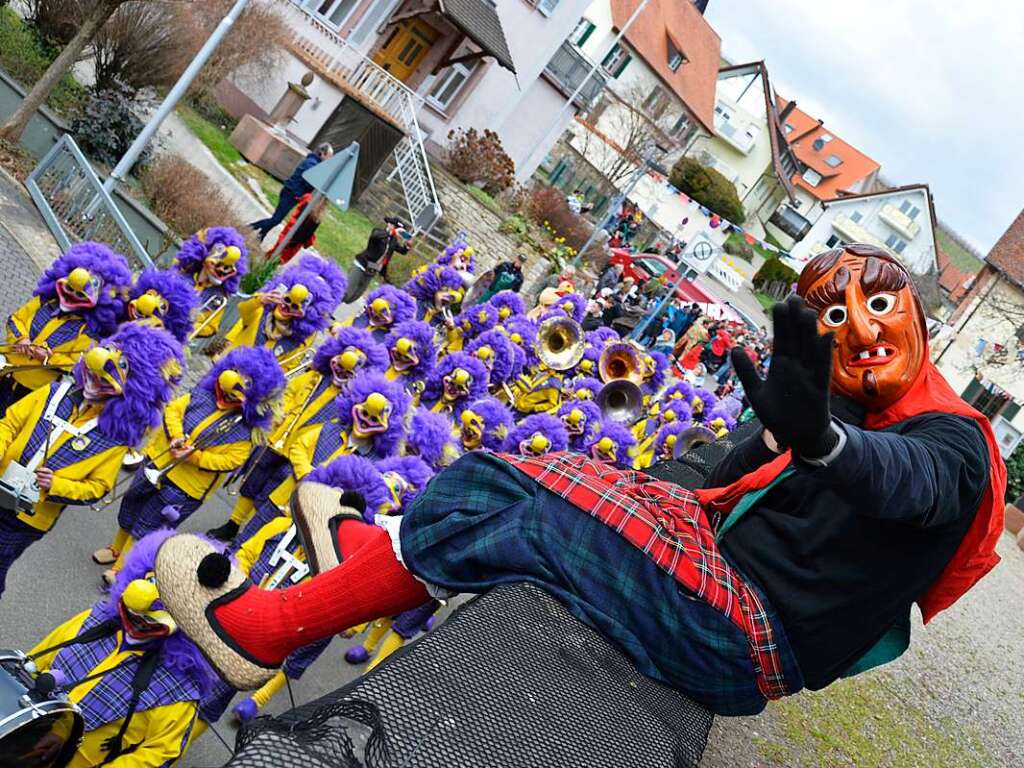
(951, 279)
(1007, 255)
(695, 80)
(855, 167)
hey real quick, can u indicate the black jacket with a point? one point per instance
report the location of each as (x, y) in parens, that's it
(379, 248)
(843, 551)
(511, 269)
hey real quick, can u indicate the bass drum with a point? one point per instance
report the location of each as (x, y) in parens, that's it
(37, 729)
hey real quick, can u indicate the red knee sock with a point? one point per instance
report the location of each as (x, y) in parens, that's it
(369, 583)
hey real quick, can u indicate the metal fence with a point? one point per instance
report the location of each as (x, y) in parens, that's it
(72, 201)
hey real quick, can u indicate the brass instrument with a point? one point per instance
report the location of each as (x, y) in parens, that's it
(560, 343)
(214, 304)
(620, 360)
(694, 437)
(155, 476)
(305, 357)
(621, 400)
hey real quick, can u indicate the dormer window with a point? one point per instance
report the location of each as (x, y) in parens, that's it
(676, 58)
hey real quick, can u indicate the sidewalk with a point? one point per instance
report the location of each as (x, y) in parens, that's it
(26, 245)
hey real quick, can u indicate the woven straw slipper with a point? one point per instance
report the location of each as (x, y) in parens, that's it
(190, 602)
(318, 510)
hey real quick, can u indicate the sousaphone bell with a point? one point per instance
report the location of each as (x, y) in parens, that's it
(621, 400)
(691, 438)
(560, 343)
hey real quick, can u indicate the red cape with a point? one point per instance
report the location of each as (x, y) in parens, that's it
(976, 554)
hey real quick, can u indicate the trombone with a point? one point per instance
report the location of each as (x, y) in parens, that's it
(214, 304)
(155, 476)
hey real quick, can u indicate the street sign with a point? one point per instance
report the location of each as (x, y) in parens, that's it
(700, 253)
(333, 178)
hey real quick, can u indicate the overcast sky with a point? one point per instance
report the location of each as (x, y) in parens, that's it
(930, 90)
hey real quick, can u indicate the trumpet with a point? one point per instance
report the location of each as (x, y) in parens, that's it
(155, 476)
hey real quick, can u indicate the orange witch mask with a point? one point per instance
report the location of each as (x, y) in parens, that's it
(866, 298)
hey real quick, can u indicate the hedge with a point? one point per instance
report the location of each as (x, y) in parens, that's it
(708, 187)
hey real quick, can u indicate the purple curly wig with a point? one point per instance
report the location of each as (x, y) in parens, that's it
(476, 320)
(413, 469)
(194, 251)
(266, 382)
(620, 435)
(732, 406)
(603, 335)
(510, 301)
(592, 419)
(361, 387)
(423, 336)
(376, 354)
(177, 651)
(673, 428)
(680, 409)
(434, 386)
(497, 420)
(110, 267)
(179, 294)
(588, 383)
(155, 366)
(333, 276)
(323, 299)
(592, 355)
(707, 397)
(549, 426)
(720, 412)
(504, 360)
(578, 309)
(654, 384)
(683, 388)
(526, 329)
(430, 438)
(403, 306)
(355, 473)
(424, 286)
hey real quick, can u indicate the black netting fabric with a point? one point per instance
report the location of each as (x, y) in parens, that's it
(510, 679)
(690, 469)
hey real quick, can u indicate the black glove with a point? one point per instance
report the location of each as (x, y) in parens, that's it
(793, 402)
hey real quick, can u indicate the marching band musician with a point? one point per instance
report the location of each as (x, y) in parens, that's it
(386, 307)
(72, 436)
(164, 299)
(78, 300)
(206, 434)
(214, 259)
(308, 401)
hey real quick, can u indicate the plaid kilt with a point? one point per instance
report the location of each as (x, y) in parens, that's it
(141, 510)
(271, 470)
(15, 538)
(266, 510)
(484, 522)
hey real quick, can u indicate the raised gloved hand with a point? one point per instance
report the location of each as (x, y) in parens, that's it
(793, 402)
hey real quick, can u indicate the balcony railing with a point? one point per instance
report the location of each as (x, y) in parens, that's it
(903, 224)
(568, 68)
(353, 73)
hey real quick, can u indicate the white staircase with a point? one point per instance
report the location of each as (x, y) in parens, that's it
(354, 74)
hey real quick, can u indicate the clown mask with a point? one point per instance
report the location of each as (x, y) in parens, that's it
(535, 445)
(371, 417)
(471, 431)
(150, 306)
(229, 389)
(403, 354)
(345, 366)
(378, 313)
(142, 614)
(220, 265)
(668, 447)
(485, 354)
(79, 290)
(605, 449)
(104, 373)
(583, 393)
(399, 488)
(448, 297)
(504, 313)
(457, 384)
(575, 422)
(869, 303)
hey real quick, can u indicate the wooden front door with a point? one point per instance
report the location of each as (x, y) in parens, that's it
(405, 47)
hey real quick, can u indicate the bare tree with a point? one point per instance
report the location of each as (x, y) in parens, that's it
(91, 24)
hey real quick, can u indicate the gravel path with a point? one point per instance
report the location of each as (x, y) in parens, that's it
(954, 700)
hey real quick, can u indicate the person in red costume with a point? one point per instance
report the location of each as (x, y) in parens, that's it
(872, 486)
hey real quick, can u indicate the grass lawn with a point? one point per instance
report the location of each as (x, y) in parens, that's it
(961, 258)
(737, 241)
(341, 235)
(765, 300)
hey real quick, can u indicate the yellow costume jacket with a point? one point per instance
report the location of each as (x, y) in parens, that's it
(161, 732)
(192, 416)
(43, 324)
(250, 330)
(85, 467)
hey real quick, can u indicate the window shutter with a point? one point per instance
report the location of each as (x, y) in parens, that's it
(971, 393)
(586, 34)
(622, 66)
(1010, 410)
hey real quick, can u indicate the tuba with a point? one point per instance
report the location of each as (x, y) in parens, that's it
(621, 400)
(620, 360)
(694, 437)
(560, 343)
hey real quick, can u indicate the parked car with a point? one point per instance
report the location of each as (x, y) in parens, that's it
(643, 266)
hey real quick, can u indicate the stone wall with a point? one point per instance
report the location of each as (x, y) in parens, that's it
(462, 212)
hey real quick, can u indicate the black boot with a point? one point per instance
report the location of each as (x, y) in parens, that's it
(226, 532)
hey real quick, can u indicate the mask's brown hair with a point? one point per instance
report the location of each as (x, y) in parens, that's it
(882, 270)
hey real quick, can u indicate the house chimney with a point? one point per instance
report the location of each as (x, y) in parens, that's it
(790, 106)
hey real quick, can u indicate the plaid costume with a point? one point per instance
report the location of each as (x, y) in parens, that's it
(15, 538)
(108, 700)
(669, 598)
(141, 510)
